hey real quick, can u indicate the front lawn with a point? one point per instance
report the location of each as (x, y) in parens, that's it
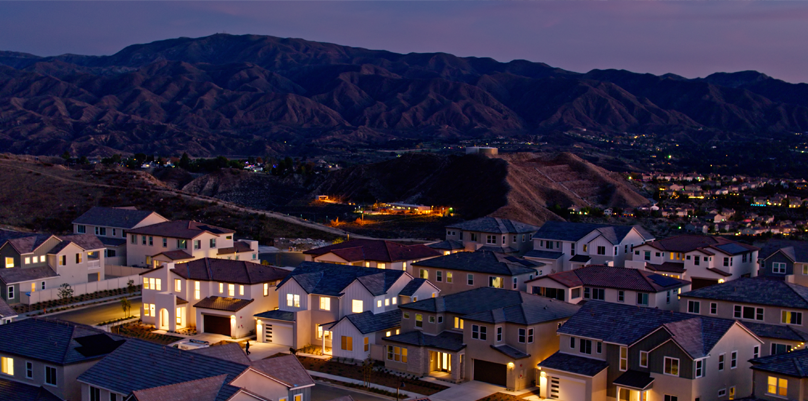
(144, 332)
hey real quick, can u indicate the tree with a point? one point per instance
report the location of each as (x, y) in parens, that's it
(185, 161)
(130, 287)
(126, 306)
(367, 371)
(65, 292)
(66, 155)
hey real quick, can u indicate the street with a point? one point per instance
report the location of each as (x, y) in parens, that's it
(323, 392)
(101, 313)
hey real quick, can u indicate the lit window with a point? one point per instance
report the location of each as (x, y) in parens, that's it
(196, 290)
(397, 354)
(27, 260)
(789, 317)
(419, 320)
(623, 359)
(379, 303)
(448, 277)
(778, 386)
(387, 302)
(394, 300)
(325, 303)
(424, 274)
(367, 344)
(380, 265)
(346, 343)
(177, 285)
(266, 289)
(240, 290)
(357, 306)
(231, 290)
(7, 365)
(221, 288)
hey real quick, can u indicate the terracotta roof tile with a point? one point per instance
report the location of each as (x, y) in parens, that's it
(376, 250)
(180, 229)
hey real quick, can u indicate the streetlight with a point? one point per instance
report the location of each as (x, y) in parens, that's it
(400, 386)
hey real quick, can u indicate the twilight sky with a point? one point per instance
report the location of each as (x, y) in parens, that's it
(689, 38)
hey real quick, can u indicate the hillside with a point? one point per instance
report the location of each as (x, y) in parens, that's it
(260, 95)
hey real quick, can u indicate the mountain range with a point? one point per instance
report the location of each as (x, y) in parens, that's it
(260, 95)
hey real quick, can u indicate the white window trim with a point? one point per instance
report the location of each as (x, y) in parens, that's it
(45, 377)
(678, 367)
(790, 311)
(646, 359)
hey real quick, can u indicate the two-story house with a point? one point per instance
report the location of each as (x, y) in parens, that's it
(491, 233)
(182, 241)
(611, 284)
(611, 351)
(144, 371)
(486, 334)
(110, 225)
(565, 246)
(316, 295)
(784, 259)
(781, 377)
(463, 271)
(771, 308)
(214, 295)
(360, 333)
(701, 259)
(378, 254)
(48, 355)
(42, 261)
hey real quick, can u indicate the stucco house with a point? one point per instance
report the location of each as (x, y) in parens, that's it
(565, 246)
(315, 296)
(491, 233)
(771, 308)
(361, 333)
(44, 357)
(378, 254)
(467, 270)
(214, 295)
(611, 284)
(486, 334)
(703, 260)
(781, 377)
(182, 241)
(110, 225)
(784, 259)
(611, 351)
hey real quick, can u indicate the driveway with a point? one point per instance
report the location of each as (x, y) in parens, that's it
(323, 392)
(471, 390)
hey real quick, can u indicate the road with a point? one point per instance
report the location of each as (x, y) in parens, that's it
(101, 313)
(323, 392)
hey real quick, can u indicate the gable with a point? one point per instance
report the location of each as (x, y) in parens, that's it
(260, 384)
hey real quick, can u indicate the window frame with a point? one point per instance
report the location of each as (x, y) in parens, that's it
(643, 354)
(665, 366)
(55, 381)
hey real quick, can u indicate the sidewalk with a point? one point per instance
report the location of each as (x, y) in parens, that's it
(80, 306)
(408, 394)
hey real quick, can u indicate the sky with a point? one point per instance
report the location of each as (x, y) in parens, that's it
(688, 38)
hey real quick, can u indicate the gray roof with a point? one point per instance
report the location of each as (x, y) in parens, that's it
(368, 322)
(21, 274)
(777, 331)
(277, 315)
(574, 364)
(138, 365)
(597, 319)
(412, 286)
(446, 340)
(510, 352)
(494, 225)
(566, 231)
(56, 342)
(634, 379)
(614, 277)
(482, 262)
(794, 363)
(15, 391)
(331, 279)
(223, 303)
(112, 217)
(544, 254)
(112, 241)
(796, 250)
(449, 245)
(759, 291)
(229, 352)
(534, 310)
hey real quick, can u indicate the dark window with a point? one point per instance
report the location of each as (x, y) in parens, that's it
(50, 375)
(586, 346)
(522, 335)
(601, 250)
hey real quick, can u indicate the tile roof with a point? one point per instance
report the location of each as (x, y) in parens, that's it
(413, 286)
(229, 271)
(177, 254)
(794, 363)
(596, 319)
(53, 341)
(448, 245)
(447, 340)
(180, 229)
(85, 241)
(533, 310)
(614, 277)
(15, 391)
(223, 303)
(758, 290)
(277, 315)
(777, 331)
(668, 267)
(795, 250)
(5, 310)
(566, 231)
(112, 241)
(543, 254)
(482, 262)
(704, 243)
(368, 322)
(634, 379)
(574, 364)
(287, 369)
(206, 389)
(28, 243)
(113, 217)
(229, 352)
(20, 274)
(510, 352)
(719, 271)
(238, 246)
(138, 365)
(375, 250)
(494, 225)
(580, 258)
(331, 279)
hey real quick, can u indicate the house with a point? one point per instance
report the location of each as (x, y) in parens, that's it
(316, 295)
(214, 295)
(379, 254)
(110, 225)
(772, 309)
(487, 334)
(36, 262)
(47, 356)
(784, 259)
(613, 351)
(492, 233)
(182, 241)
(144, 371)
(565, 246)
(360, 332)
(781, 377)
(701, 259)
(467, 270)
(611, 284)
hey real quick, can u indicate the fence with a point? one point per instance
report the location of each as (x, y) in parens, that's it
(29, 298)
(121, 271)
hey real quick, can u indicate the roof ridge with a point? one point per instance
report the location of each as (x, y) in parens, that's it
(794, 290)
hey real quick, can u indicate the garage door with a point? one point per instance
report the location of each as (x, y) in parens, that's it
(565, 389)
(278, 334)
(490, 372)
(217, 324)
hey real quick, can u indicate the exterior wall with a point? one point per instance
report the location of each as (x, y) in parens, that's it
(564, 347)
(797, 389)
(595, 387)
(726, 310)
(523, 244)
(460, 283)
(766, 265)
(136, 253)
(104, 393)
(73, 272)
(395, 289)
(736, 339)
(357, 291)
(346, 329)
(425, 291)
(262, 386)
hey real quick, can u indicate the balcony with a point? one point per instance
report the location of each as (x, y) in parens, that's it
(93, 264)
